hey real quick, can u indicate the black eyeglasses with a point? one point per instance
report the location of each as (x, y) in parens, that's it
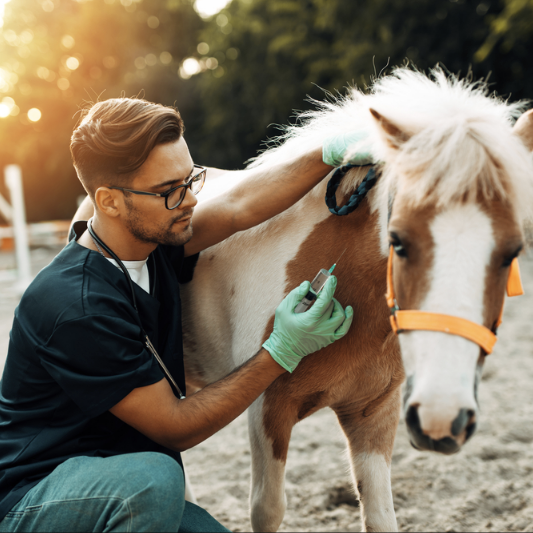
(173, 197)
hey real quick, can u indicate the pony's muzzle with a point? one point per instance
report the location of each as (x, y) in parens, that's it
(447, 441)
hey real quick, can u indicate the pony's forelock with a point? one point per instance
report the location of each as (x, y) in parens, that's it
(460, 141)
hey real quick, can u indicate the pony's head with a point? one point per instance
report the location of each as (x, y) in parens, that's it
(456, 188)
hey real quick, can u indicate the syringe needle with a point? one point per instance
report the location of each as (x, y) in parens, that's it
(335, 264)
(341, 256)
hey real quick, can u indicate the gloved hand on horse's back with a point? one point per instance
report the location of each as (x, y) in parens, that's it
(296, 335)
(340, 150)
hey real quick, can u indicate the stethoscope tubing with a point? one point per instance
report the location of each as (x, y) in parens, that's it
(147, 342)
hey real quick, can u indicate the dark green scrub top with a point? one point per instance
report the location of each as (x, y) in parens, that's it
(75, 351)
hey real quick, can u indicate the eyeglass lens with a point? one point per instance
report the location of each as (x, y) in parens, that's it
(196, 184)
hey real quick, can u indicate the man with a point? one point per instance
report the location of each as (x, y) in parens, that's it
(92, 415)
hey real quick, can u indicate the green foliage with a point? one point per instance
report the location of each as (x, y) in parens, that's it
(513, 26)
(289, 47)
(508, 48)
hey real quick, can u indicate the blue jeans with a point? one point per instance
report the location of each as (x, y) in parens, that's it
(133, 492)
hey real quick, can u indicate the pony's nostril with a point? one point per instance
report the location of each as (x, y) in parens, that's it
(463, 420)
(412, 420)
(470, 430)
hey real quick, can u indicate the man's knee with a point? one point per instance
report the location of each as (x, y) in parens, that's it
(157, 490)
(158, 473)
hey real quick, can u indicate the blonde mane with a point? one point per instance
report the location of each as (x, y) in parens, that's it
(459, 143)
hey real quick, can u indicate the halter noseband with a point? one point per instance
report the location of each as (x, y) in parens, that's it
(428, 321)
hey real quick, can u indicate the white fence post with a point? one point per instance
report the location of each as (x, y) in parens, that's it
(13, 179)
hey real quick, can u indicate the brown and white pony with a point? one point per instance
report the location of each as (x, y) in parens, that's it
(455, 187)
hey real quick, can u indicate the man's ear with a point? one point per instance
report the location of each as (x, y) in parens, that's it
(524, 129)
(109, 201)
(390, 132)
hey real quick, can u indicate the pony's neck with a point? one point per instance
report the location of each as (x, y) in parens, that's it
(377, 198)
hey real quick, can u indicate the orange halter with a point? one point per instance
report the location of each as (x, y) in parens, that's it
(425, 320)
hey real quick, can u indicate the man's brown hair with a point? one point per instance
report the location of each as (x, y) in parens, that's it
(115, 137)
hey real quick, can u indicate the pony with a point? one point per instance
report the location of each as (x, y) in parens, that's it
(455, 189)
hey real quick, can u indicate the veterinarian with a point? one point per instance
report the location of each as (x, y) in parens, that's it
(92, 410)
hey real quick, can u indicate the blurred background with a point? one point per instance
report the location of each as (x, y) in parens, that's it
(234, 69)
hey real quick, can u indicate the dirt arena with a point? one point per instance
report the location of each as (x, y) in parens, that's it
(486, 487)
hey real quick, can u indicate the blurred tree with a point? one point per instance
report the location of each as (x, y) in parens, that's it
(508, 47)
(56, 54)
(284, 47)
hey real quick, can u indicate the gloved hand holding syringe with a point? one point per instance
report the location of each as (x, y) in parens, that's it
(316, 286)
(297, 334)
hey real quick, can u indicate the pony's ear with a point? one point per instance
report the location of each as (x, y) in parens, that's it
(524, 129)
(393, 135)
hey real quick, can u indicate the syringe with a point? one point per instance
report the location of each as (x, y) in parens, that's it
(316, 286)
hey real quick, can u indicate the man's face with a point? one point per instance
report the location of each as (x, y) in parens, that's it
(147, 218)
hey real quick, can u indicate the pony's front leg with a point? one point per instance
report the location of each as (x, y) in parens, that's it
(370, 441)
(267, 494)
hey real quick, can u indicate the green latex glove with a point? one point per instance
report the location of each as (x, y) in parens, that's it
(297, 335)
(335, 149)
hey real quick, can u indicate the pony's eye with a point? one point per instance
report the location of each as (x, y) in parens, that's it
(509, 259)
(400, 250)
(507, 262)
(397, 245)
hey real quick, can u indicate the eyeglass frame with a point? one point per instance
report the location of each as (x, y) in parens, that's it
(166, 194)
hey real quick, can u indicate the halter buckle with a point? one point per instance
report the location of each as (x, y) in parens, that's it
(393, 321)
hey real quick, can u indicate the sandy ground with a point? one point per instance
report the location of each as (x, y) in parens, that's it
(486, 487)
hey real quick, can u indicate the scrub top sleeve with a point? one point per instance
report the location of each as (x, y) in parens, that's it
(183, 266)
(98, 360)
(77, 229)
(187, 269)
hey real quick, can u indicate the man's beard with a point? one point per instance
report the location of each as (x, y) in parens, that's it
(161, 235)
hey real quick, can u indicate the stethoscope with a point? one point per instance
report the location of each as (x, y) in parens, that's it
(148, 343)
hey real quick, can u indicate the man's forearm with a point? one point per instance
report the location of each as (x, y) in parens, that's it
(270, 190)
(212, 408)
(263, 193)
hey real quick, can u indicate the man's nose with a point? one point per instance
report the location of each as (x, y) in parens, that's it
(189, 201)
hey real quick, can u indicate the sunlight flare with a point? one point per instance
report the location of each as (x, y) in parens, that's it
(34, 114)
(208, 8)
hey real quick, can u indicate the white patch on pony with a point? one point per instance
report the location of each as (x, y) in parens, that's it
(372, 474)
(444, 365)
(267, 491)
(220, 184)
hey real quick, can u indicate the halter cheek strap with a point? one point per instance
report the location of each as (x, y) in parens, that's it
(427, 321)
